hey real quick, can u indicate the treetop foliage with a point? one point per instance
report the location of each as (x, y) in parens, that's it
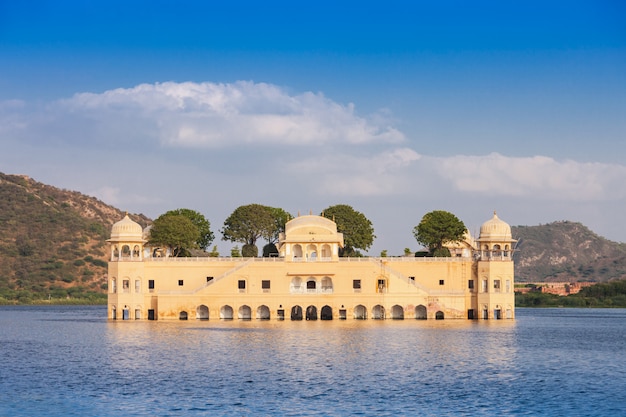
(175, 231)
(253, 221)
(358, 232)
(203, 225)
(438, 228)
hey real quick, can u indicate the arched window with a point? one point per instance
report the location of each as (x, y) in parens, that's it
(226, 312)
(397, 312)
(296, 285)
(296, 313)
(327, 284)
(326, 313)
(326, 252)
(137, 285)
(378, 312)
(125, 251)
(311, 285)
(439, 315)
(311, 313)
(202, 312)
(297, 251)
(420, 312)
(113, 285)
(183, 315)
(245, 313)
(263, 313)
(360, 312)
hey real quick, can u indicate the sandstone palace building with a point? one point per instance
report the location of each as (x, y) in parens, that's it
(309, 281)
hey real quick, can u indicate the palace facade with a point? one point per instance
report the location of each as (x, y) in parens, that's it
(309, 281)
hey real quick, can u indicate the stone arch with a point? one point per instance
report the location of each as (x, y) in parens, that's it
(263, 312)
(397, 312)
(202, 312)
(326, 251)
(226, 312)
(439, 315)
(296, 285)
(125, 251)
(311, 312)
(297, 251)
(327, 284)
(296, 313)
(244, 313)
(360, 312)
(378, 312)
(420, 312)
(183, 315)
(326, 313)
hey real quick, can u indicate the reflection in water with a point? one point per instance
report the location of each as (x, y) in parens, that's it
(72, 362)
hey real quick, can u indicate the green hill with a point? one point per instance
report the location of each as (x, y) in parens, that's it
(566, 251)
(52, 242)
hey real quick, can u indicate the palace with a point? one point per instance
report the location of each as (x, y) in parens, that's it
(308, 280)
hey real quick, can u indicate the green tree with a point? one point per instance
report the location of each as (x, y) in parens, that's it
(358, 232)
(281, 217)
(438, 228)
(203, 225)
(214, 252)
(248, 223)
(176, 232)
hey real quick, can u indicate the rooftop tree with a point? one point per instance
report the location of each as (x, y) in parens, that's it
(176, 232)
(203, 225)
(358, 232)
(438, 228)
(247, 224)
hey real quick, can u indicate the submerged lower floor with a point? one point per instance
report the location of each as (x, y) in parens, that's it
(307, 311)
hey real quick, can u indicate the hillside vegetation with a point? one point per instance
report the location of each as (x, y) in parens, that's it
(566, 251)
(52, 242)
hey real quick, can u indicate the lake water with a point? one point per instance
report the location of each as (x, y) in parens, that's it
(71, 361)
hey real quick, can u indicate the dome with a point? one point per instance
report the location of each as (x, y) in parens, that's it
(495, 229)
(311, 225)
(126, 230)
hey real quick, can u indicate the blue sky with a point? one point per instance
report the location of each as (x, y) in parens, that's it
(396, 108)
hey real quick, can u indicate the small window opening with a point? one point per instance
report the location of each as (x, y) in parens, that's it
(180, 282)
(441, 282)
(241, 284)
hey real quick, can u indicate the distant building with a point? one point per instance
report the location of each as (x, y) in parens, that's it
(309, 281)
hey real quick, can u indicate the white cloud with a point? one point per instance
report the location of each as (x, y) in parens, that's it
(537, 176)
(209, 115)
(357, 175)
